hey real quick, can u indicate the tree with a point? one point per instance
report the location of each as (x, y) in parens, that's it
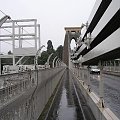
(50, 47)
(59, 51)
(44, 55)
(43, 59)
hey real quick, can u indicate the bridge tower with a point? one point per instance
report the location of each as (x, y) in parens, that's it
(71, 33)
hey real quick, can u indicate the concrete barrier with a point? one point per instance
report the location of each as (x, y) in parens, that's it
(30, 102)
(100, 113)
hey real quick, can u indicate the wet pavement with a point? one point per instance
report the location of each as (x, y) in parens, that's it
(66, 111)
(111, 91)
(66, 105)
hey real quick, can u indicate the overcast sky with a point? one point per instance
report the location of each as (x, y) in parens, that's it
(52, 15)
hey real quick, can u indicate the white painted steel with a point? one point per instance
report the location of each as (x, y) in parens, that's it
(16, 35)
(13, 41)
(16, 26)
(29, 51)
(49, 58)
(26, 38)
(112, 43)
(39, 43)
(94, 102)
(94, 10)
(35, 23)
(19, 60)
(53, 63)
(37, 54)
(0, 66)
(107, 16)
(6, 56)
(2, 20)
(109, 13)
(22, 20)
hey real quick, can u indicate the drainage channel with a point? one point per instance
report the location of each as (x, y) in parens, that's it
(66, 104)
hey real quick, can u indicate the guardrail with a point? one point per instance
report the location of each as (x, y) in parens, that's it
(27, 93)
(13, 85)
(95, 101)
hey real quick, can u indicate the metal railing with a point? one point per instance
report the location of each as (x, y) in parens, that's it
(14, 85)
(23, 96)
(83, 74)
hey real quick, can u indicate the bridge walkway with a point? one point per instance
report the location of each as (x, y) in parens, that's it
(69, 103)
(30, 92)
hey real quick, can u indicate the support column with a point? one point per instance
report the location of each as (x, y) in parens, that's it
(20, 41)
(13, 42)
(39, 35)
(0, 67)
(89, 87)
(115, 66)
(35, 34)
(68, 51)
(101, 87)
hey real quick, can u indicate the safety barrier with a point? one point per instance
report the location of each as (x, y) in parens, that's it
(27, 93)
(96, 103)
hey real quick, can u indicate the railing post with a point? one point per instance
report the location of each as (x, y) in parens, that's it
(83, 75)
(78, 71)
(89, 87)
(119, 66)
(101, 86)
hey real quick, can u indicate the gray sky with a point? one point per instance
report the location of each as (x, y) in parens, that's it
(52, 15)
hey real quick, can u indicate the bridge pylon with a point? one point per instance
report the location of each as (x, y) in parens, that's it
(71, 33)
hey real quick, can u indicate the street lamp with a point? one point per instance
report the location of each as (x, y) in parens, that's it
(36, 56)
(53, 63)
(3, 19)
(47, 63)
(57, 62)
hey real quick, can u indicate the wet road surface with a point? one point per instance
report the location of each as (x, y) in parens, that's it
(111, 91)
(66, 111)
(66, 105)
(65, 108)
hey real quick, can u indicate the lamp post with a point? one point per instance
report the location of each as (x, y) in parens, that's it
(3, 19)
(101, 86)
(36, 63)
(47, 63)
(57, 62)
(36, 56)
(53, 63)
(36, 74)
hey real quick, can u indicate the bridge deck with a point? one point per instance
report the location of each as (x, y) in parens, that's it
(23, 100)
(69, 103)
